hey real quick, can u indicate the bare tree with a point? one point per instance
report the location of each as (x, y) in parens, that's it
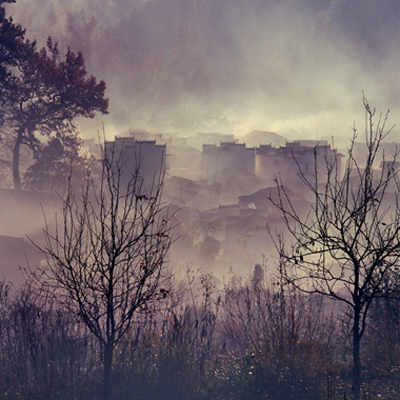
(106, 258)
(348, 246)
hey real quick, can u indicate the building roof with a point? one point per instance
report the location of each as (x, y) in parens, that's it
(262, 198)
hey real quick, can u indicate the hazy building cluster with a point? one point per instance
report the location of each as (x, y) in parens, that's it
(219, 189)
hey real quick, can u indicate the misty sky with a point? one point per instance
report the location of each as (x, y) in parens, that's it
(231, 65)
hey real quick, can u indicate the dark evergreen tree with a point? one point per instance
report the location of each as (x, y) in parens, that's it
(42, 93)
(58, 161)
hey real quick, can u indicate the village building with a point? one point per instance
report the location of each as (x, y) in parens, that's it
(209, 138)
(188, 193)
(143, 157)
(269, 164)
(227, 155)
(235, 182)
(143, 135)
(287, 163)
(184, 161)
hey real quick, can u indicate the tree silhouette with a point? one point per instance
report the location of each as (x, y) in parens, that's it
(42, 94)
(13, 47)
(348, 247)
(60, 160)
(106, 260)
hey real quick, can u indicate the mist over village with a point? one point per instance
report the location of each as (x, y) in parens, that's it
(199, 199)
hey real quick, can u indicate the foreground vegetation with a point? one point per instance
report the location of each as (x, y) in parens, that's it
(251, 338)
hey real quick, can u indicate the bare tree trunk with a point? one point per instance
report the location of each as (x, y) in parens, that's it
(356, 354)
(108, 359)
(17, 146)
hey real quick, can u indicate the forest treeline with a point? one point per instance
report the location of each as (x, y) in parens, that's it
(251, 338)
